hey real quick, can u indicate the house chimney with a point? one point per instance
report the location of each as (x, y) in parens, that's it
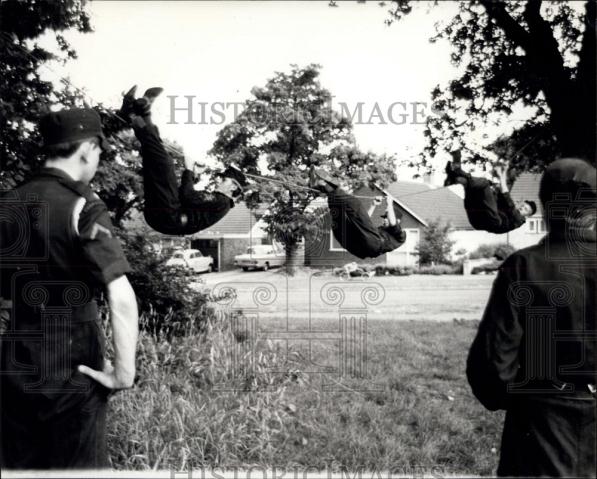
(430, 178)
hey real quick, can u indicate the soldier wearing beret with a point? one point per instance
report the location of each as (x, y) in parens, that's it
(534, 353)
(351, 223)
(171, 208)
(57, 252)
(488, 207)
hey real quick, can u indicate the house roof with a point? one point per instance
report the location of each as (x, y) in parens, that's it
(239, 220)
(428, 203)
(526, 187)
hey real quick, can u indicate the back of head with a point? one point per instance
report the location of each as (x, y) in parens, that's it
(568, 194)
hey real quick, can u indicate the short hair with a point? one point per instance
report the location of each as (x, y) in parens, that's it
(66, 149)
(533, 206)
(567, 176)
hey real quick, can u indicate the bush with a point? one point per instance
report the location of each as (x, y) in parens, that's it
(435, 245)
(438, 269)
(382, 270)
(167, 303)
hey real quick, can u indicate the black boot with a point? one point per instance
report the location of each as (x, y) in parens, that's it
(455, 174)
(236, 174)
(142, 106)
(137, 111)
(127, 108)
(238, 183)
(450, 175)
(322, 181)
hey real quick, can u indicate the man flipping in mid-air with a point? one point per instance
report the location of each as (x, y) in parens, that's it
(169, 209)
(351, 223)
(487, 207)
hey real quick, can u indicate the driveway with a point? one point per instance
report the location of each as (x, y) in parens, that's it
(313, 296)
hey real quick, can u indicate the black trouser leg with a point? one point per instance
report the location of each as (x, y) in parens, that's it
(480, 203)
(70, 439)
(162, 206)
(352, 226)
(166, 211)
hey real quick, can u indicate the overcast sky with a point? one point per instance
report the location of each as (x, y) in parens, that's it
(217, 51)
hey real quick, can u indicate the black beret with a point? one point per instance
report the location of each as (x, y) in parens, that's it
(71, 125)
(568, 176)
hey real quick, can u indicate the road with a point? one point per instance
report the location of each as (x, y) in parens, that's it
(311, 297)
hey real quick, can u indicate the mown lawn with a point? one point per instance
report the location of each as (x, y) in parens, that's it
(414, 411)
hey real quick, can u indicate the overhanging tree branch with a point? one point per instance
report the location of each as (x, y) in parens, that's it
(513, 30)
(545, 49)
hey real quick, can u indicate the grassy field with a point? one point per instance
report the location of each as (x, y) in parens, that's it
(212, 399)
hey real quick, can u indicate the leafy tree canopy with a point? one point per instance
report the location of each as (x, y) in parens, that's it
(515, 54)
(24, 95)
(284, 128)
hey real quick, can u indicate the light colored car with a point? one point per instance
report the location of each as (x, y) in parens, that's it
(263, 256)
(192, 259)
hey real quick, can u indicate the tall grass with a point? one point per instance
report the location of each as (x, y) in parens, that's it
(215, 398)
(192, 405)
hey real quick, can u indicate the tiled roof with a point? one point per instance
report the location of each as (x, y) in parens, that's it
(526, 187)
(239, 220)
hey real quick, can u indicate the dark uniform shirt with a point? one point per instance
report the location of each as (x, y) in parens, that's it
(489, 209)
(508, 213)
(57, 252)
(393, 237)
(534, 356)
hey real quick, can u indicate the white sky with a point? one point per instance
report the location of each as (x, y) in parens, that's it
(217, 51)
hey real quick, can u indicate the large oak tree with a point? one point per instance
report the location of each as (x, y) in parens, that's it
(514, 54)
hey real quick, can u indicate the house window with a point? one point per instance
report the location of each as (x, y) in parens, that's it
(334, 245)
(537, 226)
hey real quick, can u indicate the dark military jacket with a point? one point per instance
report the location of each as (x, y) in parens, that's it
(393, 237)
(510, 218)
(534, 356)
(57, 252)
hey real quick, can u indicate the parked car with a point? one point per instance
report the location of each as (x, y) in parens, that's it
(263, 256)
(192, 259)
(490, 267)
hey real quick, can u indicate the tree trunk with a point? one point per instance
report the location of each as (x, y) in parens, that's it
(572, 101)
(292, 259)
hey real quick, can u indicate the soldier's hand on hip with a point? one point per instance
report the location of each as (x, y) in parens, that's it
(110, 377)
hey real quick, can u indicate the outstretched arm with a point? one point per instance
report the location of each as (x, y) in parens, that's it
(502, 174)
(375, 204)
(392, 220)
